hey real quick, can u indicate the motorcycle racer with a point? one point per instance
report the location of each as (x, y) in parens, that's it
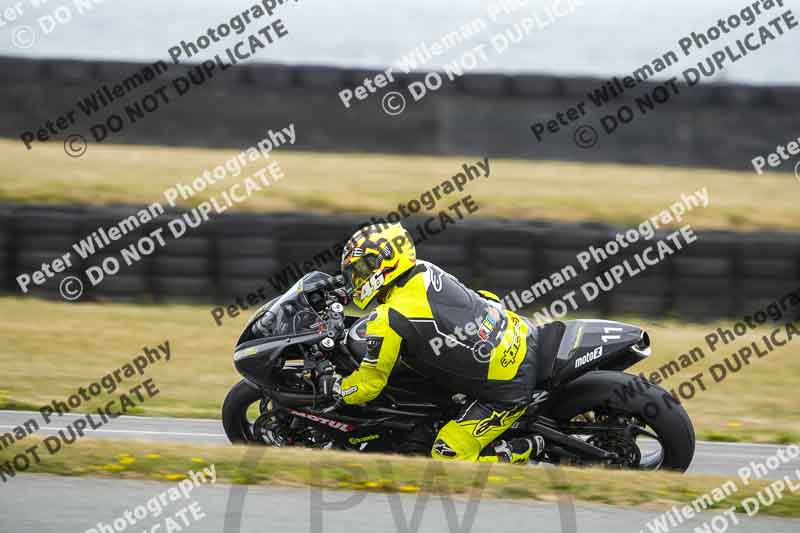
(472, 344)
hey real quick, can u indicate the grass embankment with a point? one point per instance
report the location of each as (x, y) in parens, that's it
(358, 183)
(338, 470)
(50, 349)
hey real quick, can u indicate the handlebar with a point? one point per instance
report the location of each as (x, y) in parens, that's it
(336, 282)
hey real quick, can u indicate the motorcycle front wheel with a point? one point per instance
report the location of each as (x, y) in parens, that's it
(237, 423)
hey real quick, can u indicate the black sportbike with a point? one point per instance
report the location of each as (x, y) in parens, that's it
(588, 410)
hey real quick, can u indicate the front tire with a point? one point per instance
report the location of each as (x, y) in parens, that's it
(237, 427)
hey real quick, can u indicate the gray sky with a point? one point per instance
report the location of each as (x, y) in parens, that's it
(601, 37)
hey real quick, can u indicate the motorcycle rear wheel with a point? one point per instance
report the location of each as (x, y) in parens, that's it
(605, 392)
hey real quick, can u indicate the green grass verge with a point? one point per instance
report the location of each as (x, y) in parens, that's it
(339, 470)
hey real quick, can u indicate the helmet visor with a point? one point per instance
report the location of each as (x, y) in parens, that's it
(357, 272)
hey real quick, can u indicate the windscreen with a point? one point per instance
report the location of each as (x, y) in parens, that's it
(291, 314)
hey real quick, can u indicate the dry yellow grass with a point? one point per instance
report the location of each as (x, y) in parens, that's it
(357, 183)
(50, 349)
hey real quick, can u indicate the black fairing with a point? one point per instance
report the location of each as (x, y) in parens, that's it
(247, 334)
(286, 323)
(597, 345)
(256, 359)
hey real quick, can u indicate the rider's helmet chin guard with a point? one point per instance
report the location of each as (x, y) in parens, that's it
(373, 258)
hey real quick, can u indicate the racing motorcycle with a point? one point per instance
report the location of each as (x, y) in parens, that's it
(587, 409)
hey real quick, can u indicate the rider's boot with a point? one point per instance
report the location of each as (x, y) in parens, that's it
(517, 451)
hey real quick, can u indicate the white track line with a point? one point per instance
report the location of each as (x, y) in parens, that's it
(131, 431)
(123, 417)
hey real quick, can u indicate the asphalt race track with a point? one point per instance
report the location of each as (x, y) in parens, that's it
(83, 502)
(710, 458)
(27, 503)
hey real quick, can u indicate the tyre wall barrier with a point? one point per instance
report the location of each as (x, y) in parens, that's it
(722, 274)
(719, 126)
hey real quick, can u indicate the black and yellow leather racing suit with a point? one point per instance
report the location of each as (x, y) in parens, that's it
(470, 345)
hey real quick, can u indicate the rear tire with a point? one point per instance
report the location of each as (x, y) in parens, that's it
(631, 394)
(234, 412)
